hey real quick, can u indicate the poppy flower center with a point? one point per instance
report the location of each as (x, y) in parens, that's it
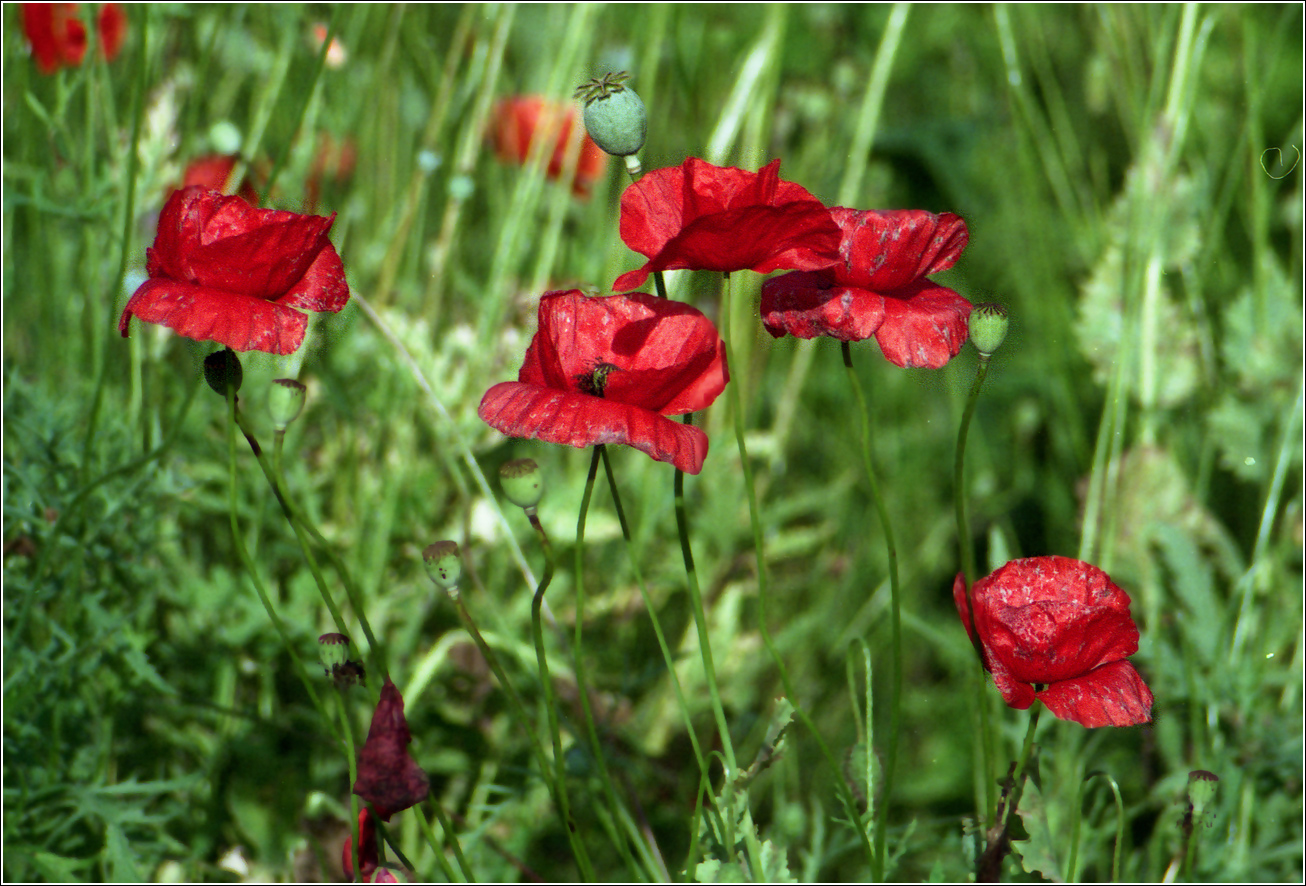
(597, 379)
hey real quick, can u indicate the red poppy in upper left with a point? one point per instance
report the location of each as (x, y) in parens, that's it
(222, 270)
(58, 37)
(879, 288)
(719, 218)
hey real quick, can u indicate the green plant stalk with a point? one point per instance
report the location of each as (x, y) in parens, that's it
(1018, 780)
(1072, 863)
(895, 696)
(546, 771)
(578, 650)
(966, 543)
(437, 846)
(546, 679)
(310, 91)
(653, 616)
(245, 561)
(755, 521)
(300, 523)
(351, 760)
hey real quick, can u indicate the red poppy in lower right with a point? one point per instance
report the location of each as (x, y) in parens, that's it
(1058, 630)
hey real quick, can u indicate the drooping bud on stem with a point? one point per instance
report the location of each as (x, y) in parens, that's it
(444, 565)
(222, 370)
(523, 483)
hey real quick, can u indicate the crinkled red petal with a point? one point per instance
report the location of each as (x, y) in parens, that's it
(576, 419)
(667, 355)
(388, 777)
(237, 321)
(808, 305)
(884, 250)
(924, 326)
(1112, 695)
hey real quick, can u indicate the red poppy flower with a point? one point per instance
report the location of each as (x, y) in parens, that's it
(519, 121)
(388, 778)
(368, 857)
(212, 171)
(58, 36)
(718, 218)
(222, 270)
(1063, 624)
(607, 370)
(879, 288)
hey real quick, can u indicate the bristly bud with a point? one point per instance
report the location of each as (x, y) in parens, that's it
(614, 115)
(988, 328)
(222, 370)
(522, 482)
(285, 401)
(444, 565)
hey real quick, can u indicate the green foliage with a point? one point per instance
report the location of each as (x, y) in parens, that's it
(1145, 411)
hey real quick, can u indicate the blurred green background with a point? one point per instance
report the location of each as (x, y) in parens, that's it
(1130, 178)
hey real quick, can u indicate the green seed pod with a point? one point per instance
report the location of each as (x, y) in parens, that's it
(522, 482)
(285, 401)
(333, 649)
(1201, 789)
(988, 328)
(444, 564)
(614, 115)
(222, 369)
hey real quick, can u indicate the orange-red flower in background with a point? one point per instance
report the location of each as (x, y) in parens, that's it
(879, 288)
(1064, 625)
(58, 37)
(368, 856)
(212, 171)
(609, 370)
(518, 121)
(388, 777)
(222, 270)
(719, 218)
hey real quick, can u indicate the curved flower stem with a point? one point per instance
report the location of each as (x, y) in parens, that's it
(578, 650)
(705, 649)
(895, 696)
(546, 771)
(965, 541)
(238, 542)
(351, 759)
(437, 847)
(1072, 863)
(546, 679)
(653, 616)
(1018, 780)
(755, 520)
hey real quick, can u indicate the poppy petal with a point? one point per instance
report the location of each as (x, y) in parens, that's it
(924, 326)
(388, 777)
(238, 321)
(889, 249)
(1112, 695)
(809, 305)
(576, 419)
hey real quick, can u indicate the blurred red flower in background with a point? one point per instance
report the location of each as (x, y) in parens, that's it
(212, 171)
(58, 37)
(368, 856)
(520, 120)
(1063, 624)
(718, 218)
(879, 288)
(388, 777)
(222, 270)
(608, 370)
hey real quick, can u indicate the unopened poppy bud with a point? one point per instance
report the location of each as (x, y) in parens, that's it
(222, 370)
(285, 401)
(1201, 789)
(522, 482)
(444, 564)
(988, 328)
(614, 115)
(333, 649)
